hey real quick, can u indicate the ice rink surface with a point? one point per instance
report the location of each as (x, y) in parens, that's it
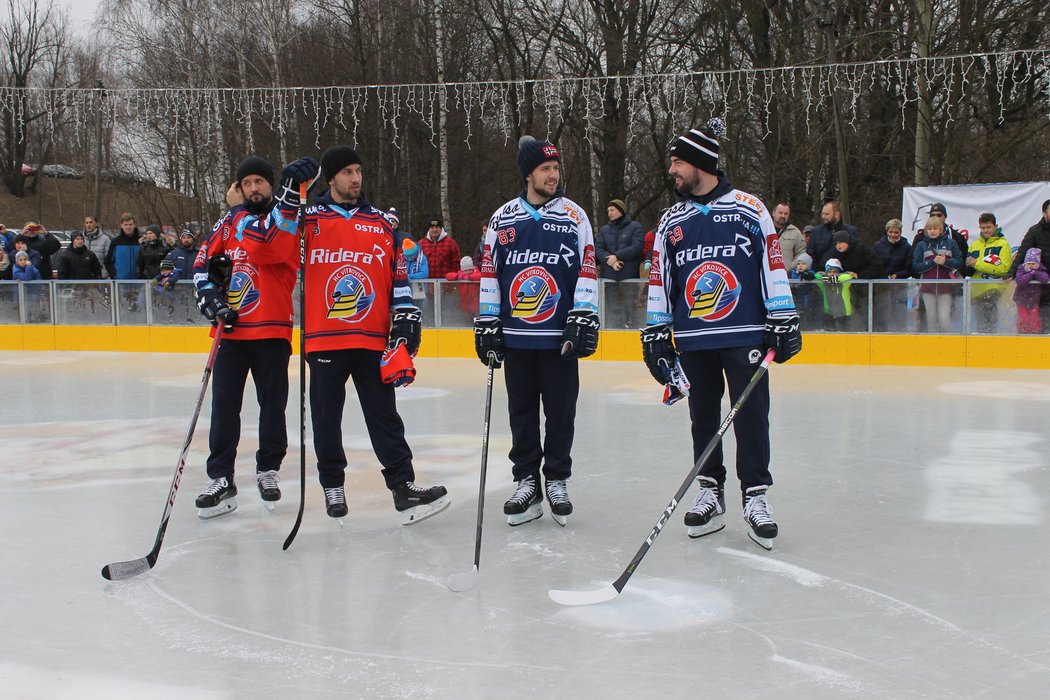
(911, 562)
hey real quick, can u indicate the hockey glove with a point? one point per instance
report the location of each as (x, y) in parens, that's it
(658, 351)
(580, 337)
(220, 271)
(406, 327)
(395, 366)
(212, 304)
(294, 174)
(488, 339)
(784, 336)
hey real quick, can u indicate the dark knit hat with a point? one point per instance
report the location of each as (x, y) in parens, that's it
(167, 264)
(938, 208)
(75, 235)
(436, 221)
(153, 228)
(533, 153)
(699, 147)
(335, 159)
(254, 165)
(842, 237)
(619, 204)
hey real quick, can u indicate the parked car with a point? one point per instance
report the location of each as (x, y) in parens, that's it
(61, 171)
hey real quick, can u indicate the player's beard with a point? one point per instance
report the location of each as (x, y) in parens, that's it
(257, 207)
(347, 196)
(688, 185)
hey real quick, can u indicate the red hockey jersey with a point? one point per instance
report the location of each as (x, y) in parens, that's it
(265, 254)
(355, 274)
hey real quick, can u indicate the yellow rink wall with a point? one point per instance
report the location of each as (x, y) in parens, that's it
(1018, 352)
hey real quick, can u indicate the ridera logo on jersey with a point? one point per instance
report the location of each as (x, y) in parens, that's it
(350, 295)
(534, 295)
(243, 293)
(712, 292)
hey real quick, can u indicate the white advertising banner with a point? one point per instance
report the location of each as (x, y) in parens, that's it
(1016, 205)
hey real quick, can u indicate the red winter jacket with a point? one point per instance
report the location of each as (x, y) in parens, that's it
(442, 255)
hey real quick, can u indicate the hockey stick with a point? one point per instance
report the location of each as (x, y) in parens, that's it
(465, 581)
(303, 187)
(611, 590)
(126, 569)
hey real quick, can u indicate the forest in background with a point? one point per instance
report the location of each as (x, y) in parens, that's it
(823, 99)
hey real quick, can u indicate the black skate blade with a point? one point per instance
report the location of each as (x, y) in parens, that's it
(763, 542)
(697, 531)
(420, 513)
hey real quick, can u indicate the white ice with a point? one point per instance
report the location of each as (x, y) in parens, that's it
(911, 562)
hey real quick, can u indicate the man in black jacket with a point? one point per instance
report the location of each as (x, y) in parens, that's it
(618, 248)
(819, 247)
(891, 299)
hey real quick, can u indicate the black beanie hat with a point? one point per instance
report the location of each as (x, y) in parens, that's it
(533, 153)
(254, 165)
(699, 147)
(335, 159)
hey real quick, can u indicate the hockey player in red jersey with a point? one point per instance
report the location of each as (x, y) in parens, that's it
(256, 244)
(360, 324)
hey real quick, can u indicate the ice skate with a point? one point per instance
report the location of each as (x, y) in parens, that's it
(526, 504)
(759, 517)
(417, 503)
(335, 502)
(705, 517)
(268, 488)
(219, 498)
(558, 497)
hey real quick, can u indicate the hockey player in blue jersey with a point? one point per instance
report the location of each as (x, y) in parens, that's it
(718, 300)
(538, 314)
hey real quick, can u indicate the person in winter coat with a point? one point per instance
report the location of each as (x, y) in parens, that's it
(820, 244)
(123, 252)
(441, 250)
(937, 257)
(856, 257)
(989, 258)
(1032, 279)
(891, 300)
(618, 247)
(152, 251)
(24, 271)
(97, 240)
(45, 244)
(1038, 236)
(22, 244)
(182, 256)
(79, 262)
(418, 269)
(834, 284)
(468, 293)
(5, 265)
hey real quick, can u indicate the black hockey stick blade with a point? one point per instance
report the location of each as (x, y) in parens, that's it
(120, 570)
(303, 188)
(457, 583)
(611, 590)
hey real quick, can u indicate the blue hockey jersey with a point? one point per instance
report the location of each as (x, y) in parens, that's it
(537, 265)
(718, 272)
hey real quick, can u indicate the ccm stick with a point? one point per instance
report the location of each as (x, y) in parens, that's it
(127, 569)
(466, 580)
(303, 187)
(611, 590)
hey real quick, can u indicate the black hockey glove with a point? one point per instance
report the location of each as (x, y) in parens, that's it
(580, 337)
(488, 339)
(406, 326)
(658, 351)
(211, 301)
(220, 271)
(293, 175)
(784, 336)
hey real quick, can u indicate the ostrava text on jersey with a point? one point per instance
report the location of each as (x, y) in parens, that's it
(537, 265)
(265, 254)
(355, 274)
(717, 271)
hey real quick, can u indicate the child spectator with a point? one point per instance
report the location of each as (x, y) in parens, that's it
(1031, 277)
(937, 257)
(24, 270)
(801, 268)
(799, 275)
(167, 277)
(834, 285)
(468, 293)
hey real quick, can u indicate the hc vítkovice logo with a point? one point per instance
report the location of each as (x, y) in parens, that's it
(243, 294)
(712, 292)
(350, 295)
(534, 295)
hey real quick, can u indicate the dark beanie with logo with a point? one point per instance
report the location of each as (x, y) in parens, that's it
(254, 165)
(699, 147)
(533, 153)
